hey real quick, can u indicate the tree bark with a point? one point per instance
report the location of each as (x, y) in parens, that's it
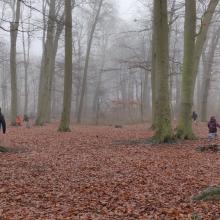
(13, 35)
(163, 130)
(26, 55)
(153, 74)
(184, 130)
(45, 76)
(67, 97)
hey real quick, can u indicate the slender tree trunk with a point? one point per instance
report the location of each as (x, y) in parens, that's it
(4, 87)
(96, 101)
(153, 74)
(163, 130)
(40, 89)
(145, 91)
(184, 130)
(84, 81)
(171, 20)
(208, 62)
(13, 34)
(26, 55)
(67, 97)
(52, 68)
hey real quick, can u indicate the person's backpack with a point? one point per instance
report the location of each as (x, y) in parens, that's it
(26, 118)
(212, 126)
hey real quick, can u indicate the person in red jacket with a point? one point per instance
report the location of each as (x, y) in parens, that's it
(213, 125)
(18, 120)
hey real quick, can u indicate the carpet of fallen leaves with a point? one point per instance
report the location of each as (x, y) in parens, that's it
(87, 174)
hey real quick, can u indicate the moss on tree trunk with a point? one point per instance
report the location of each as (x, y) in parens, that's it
(162, 116)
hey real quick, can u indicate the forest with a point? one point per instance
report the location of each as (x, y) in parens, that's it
(109, 109)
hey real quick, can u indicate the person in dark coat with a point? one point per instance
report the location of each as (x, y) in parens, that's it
(2, 122)
(194, 117)
(213, 125)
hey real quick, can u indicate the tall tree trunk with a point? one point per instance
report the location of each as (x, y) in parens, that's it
(26, 55)
(52, 68)
(184, 130)
(208, 62)
(78, 78)
(13, 34)
(40, 89)
(67, 97)
(4, 86)
(163, 130)
(85, 73)
(45, 76)
(171, 83)
(153, 74)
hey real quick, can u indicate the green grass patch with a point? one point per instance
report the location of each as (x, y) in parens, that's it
(3, 149)
(211, 193)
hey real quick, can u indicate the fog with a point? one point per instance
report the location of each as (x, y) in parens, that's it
(118, 75)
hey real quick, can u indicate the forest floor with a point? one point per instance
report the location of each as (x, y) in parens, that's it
(104, 173)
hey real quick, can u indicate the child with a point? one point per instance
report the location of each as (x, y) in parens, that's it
(212, 125)
(194, 117)
(18, 121)
(26, 120)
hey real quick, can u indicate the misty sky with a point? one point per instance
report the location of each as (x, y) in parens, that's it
(127, 11)
(127, 8)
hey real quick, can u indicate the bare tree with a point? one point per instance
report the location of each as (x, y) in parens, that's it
(45, 74)
(13, 34)
(26, 56)
(193, 46)
(67, 97)
(208, 60)
(89, 45)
